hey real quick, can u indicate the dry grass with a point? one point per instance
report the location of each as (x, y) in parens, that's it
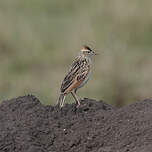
(39, 39)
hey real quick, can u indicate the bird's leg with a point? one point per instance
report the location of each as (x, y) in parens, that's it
(75, 91)
(61, 105)
(76, 99)
(61, 100)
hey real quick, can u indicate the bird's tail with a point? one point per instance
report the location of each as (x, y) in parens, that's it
(60, 101)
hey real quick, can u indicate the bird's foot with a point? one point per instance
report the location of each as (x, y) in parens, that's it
(78, 105)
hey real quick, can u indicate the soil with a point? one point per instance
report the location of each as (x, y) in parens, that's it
(28, 126)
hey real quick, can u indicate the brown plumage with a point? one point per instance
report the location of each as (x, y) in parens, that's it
(77, 76)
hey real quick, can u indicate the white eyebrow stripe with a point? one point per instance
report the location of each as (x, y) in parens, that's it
(84, 50)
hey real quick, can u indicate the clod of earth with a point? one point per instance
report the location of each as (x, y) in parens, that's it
(28, 126)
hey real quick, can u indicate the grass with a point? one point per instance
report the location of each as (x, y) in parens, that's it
(39, 39)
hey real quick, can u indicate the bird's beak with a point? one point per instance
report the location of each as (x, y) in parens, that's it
(95, 53)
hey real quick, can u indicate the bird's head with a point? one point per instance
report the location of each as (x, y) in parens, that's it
(86, 51)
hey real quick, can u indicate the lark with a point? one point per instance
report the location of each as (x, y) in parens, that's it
(77, 76)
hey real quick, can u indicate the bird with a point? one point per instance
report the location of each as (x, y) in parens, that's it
(77, 75)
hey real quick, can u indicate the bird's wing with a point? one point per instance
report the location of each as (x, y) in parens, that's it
(77, 72)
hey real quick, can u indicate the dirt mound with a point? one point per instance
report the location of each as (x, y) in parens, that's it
(28, 126)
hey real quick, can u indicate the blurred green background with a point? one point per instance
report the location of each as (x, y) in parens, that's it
(39, 40)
